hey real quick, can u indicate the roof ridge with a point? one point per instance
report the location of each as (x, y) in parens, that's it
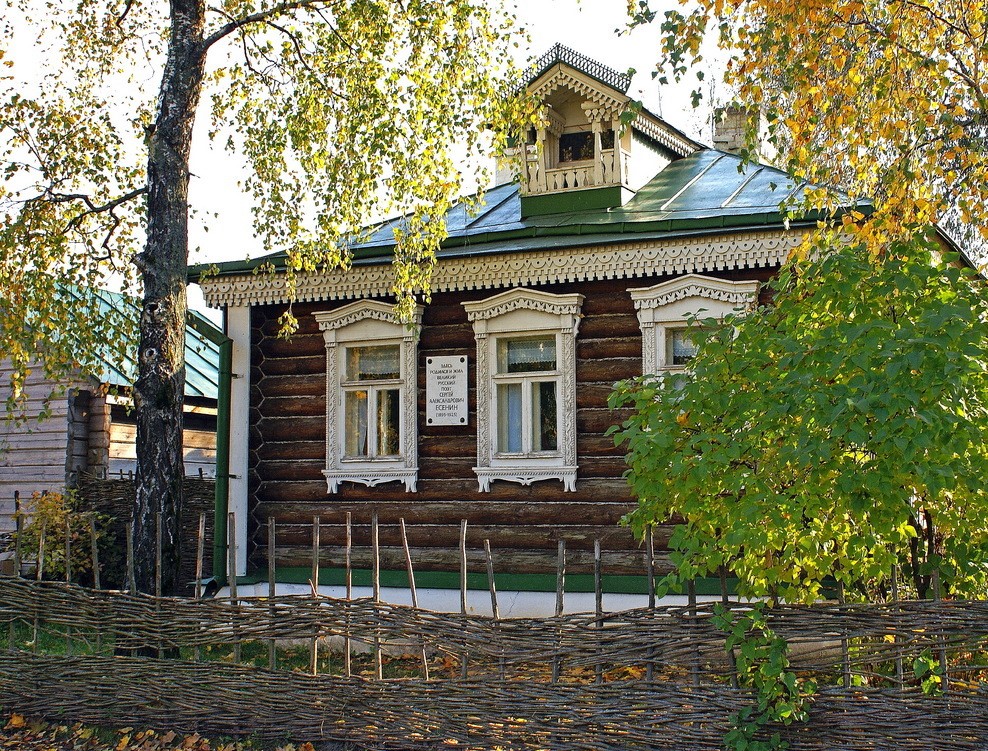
(692, 181)
(560, 53)
(744, 184)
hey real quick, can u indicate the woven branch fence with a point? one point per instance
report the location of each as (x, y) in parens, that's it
(652, 678)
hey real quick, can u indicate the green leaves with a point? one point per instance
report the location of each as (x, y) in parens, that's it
(835, 434)
(345, 113)
(356, 111)
(761, 660)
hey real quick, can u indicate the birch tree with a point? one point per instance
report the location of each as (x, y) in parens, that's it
(879, 99)
(343, 109)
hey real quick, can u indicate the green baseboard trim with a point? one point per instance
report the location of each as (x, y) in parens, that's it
(636, 585)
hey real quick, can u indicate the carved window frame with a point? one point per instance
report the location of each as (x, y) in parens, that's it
(370, 323)
(672, 305)
(513, 314)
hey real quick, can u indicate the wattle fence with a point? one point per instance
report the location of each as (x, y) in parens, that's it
(651, 678)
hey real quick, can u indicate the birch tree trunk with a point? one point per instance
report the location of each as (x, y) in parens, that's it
(160, 386)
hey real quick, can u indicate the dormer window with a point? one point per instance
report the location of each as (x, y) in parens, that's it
(578, 147)
(575, 147)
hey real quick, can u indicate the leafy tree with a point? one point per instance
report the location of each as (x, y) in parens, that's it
(880, 98)
(339, 106)
(843, 429)
(837, 432)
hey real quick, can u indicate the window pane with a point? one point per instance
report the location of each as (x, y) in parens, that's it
(509, 418)
(532, 355)
(355, 428)
(544, 416)
(575, 146)
(682, 348)
(373, 363)
(388, 430)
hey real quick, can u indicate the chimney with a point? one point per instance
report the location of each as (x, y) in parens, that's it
(729, 128)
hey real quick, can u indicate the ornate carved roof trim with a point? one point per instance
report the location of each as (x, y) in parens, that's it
(559, 53)
(628, 260)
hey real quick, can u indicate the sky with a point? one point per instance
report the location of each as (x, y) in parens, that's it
(588, 27)
(221, 227)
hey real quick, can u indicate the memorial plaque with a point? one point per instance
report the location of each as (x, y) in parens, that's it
(446, 390)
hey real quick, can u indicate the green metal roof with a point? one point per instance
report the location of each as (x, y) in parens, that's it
(708, 191)
(201, 354)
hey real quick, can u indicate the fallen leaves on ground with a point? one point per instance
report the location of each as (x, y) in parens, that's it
(20, 733)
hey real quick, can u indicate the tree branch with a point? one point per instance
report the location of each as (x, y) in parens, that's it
(123, 15)
(93, 208)
(261, 16)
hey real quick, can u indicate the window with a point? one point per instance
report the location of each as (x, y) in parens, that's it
(575, 147)
(665, 310)
(371, 398)
(681, 348)
(579, 146)
(371, 435)
(527, 384)
(526, 387)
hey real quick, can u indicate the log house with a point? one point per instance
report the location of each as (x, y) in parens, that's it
(493, 407)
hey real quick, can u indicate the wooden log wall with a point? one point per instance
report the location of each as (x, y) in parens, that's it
(524, 524)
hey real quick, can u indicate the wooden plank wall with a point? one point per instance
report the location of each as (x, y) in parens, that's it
(198, 441)
(287, 454)
(33, 455)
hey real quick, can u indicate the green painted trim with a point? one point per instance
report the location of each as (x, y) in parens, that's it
(221, 498)
(221, 492)
(575, 201)
(625, 584)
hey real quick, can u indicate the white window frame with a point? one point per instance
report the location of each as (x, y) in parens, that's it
(672, 305)
(369, 323)
(517, 314)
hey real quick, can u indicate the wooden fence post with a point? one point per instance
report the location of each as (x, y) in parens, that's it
(899, 672)
(732, 657)
(314, 584)
(231, 570)
(272, 591)
(200, 554)
(598, 590)
(414, 593)
(560, 589)
(376, 588)
(93, 538)
(941, 640)
(845, 652)
(465, 659)
(348, 573)
(39, 573)
(131, 576)
(650, 583)
(494, 608)
(68, 576)
(19, 531)
(695, 660)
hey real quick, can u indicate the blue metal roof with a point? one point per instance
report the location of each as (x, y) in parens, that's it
(201, 354)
